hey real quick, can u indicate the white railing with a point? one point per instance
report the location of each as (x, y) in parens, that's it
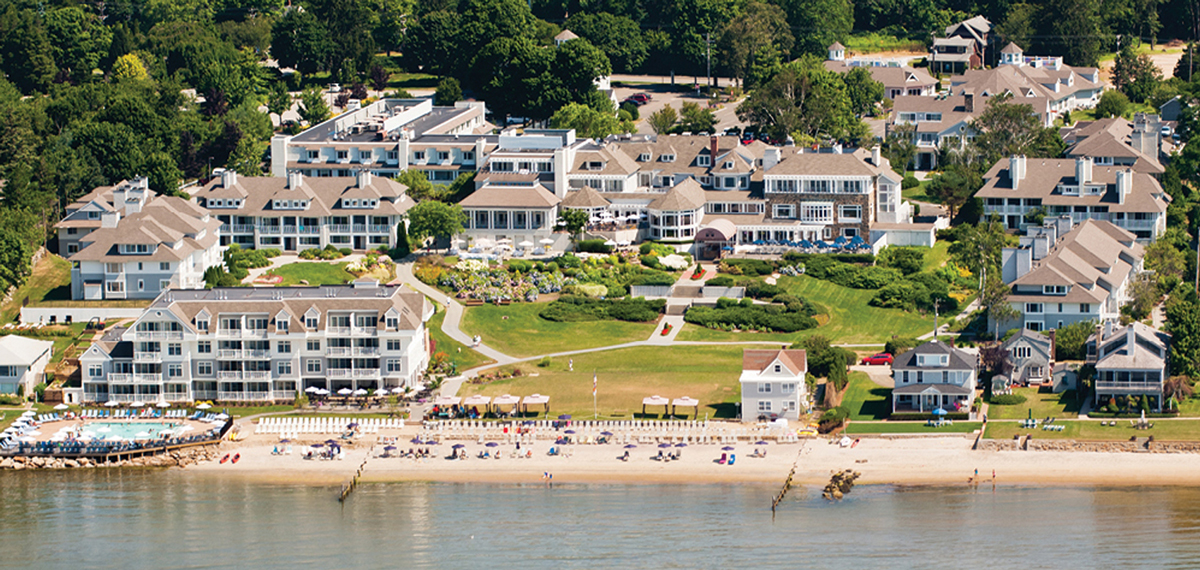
(378, 229)
(339, 228)
(242, 228)
(243, 396)
(120, 378)
(366, 373)
(147, 357)
(204, 394)
(370, 331)
(268, 229)
(1141, 386)
(160, 335)
(177, 397)
(339, 373)
(227, 353)
(257, 375)
(309, 230)
(366, 351)
(256, 353)
(337, 331)
(338, 351)
(147, 378)
(229, 375)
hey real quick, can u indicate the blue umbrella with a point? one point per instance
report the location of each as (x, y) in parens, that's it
(664, 445)
(822, 245)
(457, 446)
(570, 432)
(759, 242)
(727, 448)
(805, 243)
(565, 417)
(856, 240)
(606, 433)
(840, 240)
(940, 412)
(630, 446)
(680, 445)
(726, 248)
(491, 444)
(760, 443)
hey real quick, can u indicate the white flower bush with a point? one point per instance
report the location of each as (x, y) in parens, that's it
(471, 265)
(674, 261)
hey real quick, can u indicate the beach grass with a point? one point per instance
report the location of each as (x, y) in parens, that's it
(865, 399)
(460, 353)
(314, 272)
(1165, 430)
(524, 333)
(909, 427)
(1043, 405)
(50, 280)
(626, 376)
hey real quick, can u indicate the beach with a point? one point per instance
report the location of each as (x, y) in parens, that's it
(945, 460)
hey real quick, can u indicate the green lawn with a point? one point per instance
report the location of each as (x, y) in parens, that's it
(937, 256)
(874, 42)
(241, 412)
(865, 399)
(626, 376)
(850, 319)
(314, 272)
(50, 281)
(910, 427)
(466, 358)
(1043, 405)
(524, 333)
(1167, 430)
(918, 193)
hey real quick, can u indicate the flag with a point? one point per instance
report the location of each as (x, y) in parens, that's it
(593, 383)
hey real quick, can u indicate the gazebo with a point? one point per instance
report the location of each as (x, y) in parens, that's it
(505, 400)
(656, 401)
(447, 400)
(536, 400)
(478, 400)
(687, 403)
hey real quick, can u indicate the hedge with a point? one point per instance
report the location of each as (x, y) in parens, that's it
(794, 257)
(570, 308)
(916, 416)
(593, 246)
(720, 281)
(1007, 399)
(729, 313)
(748, 266)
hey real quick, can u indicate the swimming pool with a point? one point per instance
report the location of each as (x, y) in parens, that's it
(125, 430)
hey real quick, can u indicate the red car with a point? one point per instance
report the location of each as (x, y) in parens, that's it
(881, 358)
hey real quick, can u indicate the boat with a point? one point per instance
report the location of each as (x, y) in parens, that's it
(852, 446)
(237, 457)
(224, 459)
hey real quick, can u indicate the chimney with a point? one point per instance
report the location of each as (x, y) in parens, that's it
(1016, 170)
(140, 183)
(969, 100)
(228, 178)
(132, 207)
(1015, 262)
(362, 178)
(1052, 344)
(294, 180)
(1108, 330)
(109, 219)
(1124, 184)
(771, 158)
(876, 156)
(712, 150)
(1083, 171)
(1062, 226)
(1130, 338)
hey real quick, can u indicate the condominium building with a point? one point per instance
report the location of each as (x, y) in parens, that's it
(898, 80)
(1119, 142)
(1030, 79)
(262, 344)
(166, 244)
(1078, 188)
(299, 212)
(83, 215)
(387, 137)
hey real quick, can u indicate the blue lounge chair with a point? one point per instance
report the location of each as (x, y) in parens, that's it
(732, 457)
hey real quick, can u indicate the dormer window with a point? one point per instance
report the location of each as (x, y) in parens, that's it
(594, 165)
(644, 157)
(668, 158)
(93, 215)
(393, 323)
(310, 323)
(419, 155)
(703, 160)
(281, 325)
(135, 249)
(778, 368)
(202, 325)
(729, 165)
(1054, 289)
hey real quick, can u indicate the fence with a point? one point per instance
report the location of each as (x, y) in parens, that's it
(709, 292)
(650, 291)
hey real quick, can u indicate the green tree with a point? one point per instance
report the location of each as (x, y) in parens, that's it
(803, 100)
(419, 186)
(573, 221)
(14, 259)
(819, 23)
(1135, 75)
(863, 90)
(1006, 128)
(1019, 25)
(692, 23)
(26, 56)
(1183, 324)
(760, 32)
(312, 106)
(279, 101)
(1165, 260)
(433, 219)
(485, 21)
(588, 122)
(431, 44)
(1074, 29)
(617, 36)
(663, 120)
(900, 148)
(978, 248)
(79, 40)
(1112, 104)
(449, 92)
(129, 67)
(954, 187)
(1070, 342)
(695, 119)
(995, 299)
(1143, 295)
(301, 41)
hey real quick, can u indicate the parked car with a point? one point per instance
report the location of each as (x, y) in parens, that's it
(335, 88)
(639, 98)
(633, 102)
(878, 359)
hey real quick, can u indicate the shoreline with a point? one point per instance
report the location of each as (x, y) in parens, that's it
(903, 463)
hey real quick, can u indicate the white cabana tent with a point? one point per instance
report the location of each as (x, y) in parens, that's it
(656, 401)
(477, 400)
(685, 402)
(447, 400)
(505, 400)
(536, 400)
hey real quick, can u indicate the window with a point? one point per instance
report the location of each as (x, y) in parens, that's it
(312, 155)
(789, 387)
(443, 156)
(313, 365)
(1085, 307)
(174, 349)
(283, 368)
(1033, 308)
(202, 325)
(283, 347)
(778, 368)
(703, 160)
(95, 370)
(164, 266)
(174, 370)
(204, 368)
(364, 155)
(816, 212)
(343, 155)
(393, 365)
(419, 155)
(1022, 352)
(314, 345)
(1054, 289)
(141, 285)
(904, 376)
(393, 323)
(764, 405)
(204, 347)
(393, 344)
(164, 284)
(764, 387)
(850, 213)
(281, 325)
(311, 323)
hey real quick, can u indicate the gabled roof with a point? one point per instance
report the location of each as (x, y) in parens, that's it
(161, 224)
(1043, 176)
(585, 197)
(810, 164)
(1091, 260)
(1012, 48)
(796, 361)
(566, 35)
(959, 359)
(20, 351)
(325, 194)
(511, 196)
(687, 195)
(1137, 356)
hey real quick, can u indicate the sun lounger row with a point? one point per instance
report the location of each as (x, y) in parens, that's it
(294, 425)
(586, 431)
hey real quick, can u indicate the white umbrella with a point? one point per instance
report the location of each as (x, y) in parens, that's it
(203, 406)
(381, 392)
(104, 429)
(398, 390)
(610, 243)
(34, 432)
(137, 404)
(526, 243)
(28, 415)
(345, 392)
(112, 404)
(163, 404)
(141, 435)
(115, 438)
(312, 389)
(184, 428)
(360, 392)
(322, 392)
(503, 240)
(61, 407)
(222, 416)
(545, 241)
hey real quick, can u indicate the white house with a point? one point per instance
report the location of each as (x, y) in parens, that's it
(22, 363)
(1130, 361)
(773, 384)
(934, 375)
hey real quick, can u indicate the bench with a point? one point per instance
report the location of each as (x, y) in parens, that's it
(473, 302)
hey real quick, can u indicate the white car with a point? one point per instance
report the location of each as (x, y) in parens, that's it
(335, 88)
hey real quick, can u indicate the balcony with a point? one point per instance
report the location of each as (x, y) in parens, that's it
(364, 331)
(204, 394)
(366, 373)
(337, 331)
(366, 351)
(268, 229)
(177, 397)
(142, 378)
(229, 354)
(159, 335)
(339, 228)
(377, 229)
(229, 375)
(339, 351)
(339, 373)
(152, 357)
(359, 228)
(257, 375)
(1135, 387)
(242, 333)
(239, 228)
(243, 396)
(289, 229)
(309, 230)
(120, 378)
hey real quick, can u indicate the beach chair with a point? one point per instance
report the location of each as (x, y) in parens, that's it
(721, 461)
(732, 457)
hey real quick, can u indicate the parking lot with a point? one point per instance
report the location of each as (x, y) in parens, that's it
(665, 94)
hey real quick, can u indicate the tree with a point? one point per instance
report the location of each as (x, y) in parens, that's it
(573, 221)
(995, 299)
(1135, 75)
(301, 41)
(79, 40)
(692, 24)
(994, 357)
(312, 106)
(15, 253)
(379, 77)
(819, 22)
(1006, 128)
(419, 186)
(978, 248)
(863, 90)
(954, 187)
(617, 36)
(803, 100)
(900, 147)
(1143, 295)
(1165, 260)
(1178, 388)
(1077, 25)
(26, 55)
(279, 101)
(1183, 324)
(1070, 342)
(433, 219)
(1186, 64)
(663, 121)
(403, 248)
(1019, 25)
(760, 32)
(449, 91)
(1112, 104)
(695, 119)
(431, 44)
(588, 122)
(129, 67)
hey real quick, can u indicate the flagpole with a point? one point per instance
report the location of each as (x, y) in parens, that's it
(595, 415)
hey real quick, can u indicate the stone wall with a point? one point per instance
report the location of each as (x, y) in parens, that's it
(1090, 446)
(178, 458)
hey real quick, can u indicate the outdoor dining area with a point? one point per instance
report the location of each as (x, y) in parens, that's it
(480, 406)
(842, 244)
(503, 248)
(362, 398)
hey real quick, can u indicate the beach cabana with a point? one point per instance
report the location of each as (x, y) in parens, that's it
(656, 401)
(536, 400)
(478, 400)
(686, 402)
(447, 400)
(505, 400)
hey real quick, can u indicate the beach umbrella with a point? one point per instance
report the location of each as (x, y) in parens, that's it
(163, 404)
(311, 389)
(398, 390)
(416, 440)
(322, 392)
(222, 416)
(381, 392)
(526, 243)
(457, 446)
(630, 446)
(345, 392)
(137, 404)
(285, 441)
(570, 432)
(360, 392)
(606, 433)
(565, 417)
(760, 443)
(28, 414)
(112, 404)
(664, 445)
(727, 448)
(941, 412)
(390, 448)
(491, 444)
(203, 406)
(61, 407)
(680, 444)
(546, 241)
(352, 425)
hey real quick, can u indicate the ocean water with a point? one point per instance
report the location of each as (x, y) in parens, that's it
(130, 520)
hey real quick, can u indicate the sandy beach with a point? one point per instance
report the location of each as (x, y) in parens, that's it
(900, 461)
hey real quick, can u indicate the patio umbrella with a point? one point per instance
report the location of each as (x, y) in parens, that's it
(112, 404)
(565, 417)
(163, 404)
(491, 444)
(381, 392)
(526, 243)
(61, 407)
(805, 243)
(137, 404)
(610, 243)
(680, 444)
(311, 389)
(457, 446)
(570, 432)
(760, 443)
(28, 414)
(390, 448)
(322, 392)
(941, 412)
(285, 441)
(360, 392)
(204, 406)
(630, 446)
(606, 433)
(416, 440)
(664, 445)
(345, 392)
(398, 390)
(546, 241)
(222, 416)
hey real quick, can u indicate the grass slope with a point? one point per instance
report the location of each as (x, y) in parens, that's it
(626, 376)
(49, 281)
(865, 399)
(524, 333)
(459, 352)
(315, 272)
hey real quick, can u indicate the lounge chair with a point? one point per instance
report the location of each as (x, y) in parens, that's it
(721, 461)
(732, 457)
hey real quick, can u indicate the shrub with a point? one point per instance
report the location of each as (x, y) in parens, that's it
(909, 181)
(907, 259)
(898, 346)
(748, 266)
(1007, 400)
(345, 251)
(593, 246)
(733, 314)
(594, 290)
(544, 362)
(835, 415)
(569, 308)
(760, 290)
(9, 400)
(720, 281)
